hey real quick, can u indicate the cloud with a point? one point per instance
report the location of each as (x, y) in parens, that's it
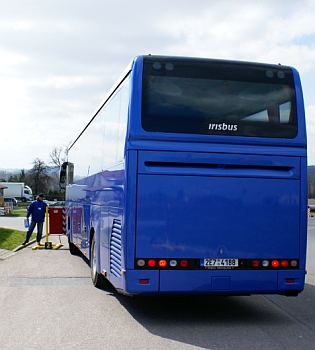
(253, 31)
(58, 59)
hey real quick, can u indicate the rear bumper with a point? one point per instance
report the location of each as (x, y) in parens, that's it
(214, 282)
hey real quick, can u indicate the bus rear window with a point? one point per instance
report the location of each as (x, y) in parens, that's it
(218, 97)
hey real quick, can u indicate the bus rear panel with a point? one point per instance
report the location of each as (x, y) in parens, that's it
(207, 194)
(231, 225)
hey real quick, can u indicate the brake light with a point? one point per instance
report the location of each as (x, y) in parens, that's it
(284, 263)
(151, 263)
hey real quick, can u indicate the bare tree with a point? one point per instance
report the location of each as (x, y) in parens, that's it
(56, 156)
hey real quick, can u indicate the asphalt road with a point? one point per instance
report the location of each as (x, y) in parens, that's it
(47, 301)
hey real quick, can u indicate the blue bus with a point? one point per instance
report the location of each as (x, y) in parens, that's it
(191, 178)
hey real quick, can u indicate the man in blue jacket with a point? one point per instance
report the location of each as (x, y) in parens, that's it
(37, 209)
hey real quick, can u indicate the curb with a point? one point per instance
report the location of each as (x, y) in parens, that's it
(5, 253)
(23, 246)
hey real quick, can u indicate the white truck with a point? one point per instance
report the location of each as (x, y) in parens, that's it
(18, 190)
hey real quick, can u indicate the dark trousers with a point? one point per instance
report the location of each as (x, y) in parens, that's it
(31, 229)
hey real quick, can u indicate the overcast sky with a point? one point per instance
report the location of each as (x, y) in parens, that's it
(59, 58)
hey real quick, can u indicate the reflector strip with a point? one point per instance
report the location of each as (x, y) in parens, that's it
(144, 281)
(290, 280)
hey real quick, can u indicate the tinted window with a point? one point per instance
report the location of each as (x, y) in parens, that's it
(217, 97)
(101, 145)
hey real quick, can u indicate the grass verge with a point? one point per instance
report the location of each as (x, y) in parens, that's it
(10, 239)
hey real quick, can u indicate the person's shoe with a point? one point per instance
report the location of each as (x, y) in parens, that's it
(38, 243)
(25, 242)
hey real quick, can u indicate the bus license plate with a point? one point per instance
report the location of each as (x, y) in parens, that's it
(219, 262)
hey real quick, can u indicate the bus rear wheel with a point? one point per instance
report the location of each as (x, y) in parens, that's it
(96, 277)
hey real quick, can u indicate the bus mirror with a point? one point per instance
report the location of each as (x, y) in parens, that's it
(70, 172)
(63, 173)
(66, 173)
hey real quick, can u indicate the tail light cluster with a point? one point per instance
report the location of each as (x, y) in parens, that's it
(164, 263)
(275, 264)
(196, 264)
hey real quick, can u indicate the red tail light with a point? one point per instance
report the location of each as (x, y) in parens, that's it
(256, 263)
(183, 263)
(151, 263)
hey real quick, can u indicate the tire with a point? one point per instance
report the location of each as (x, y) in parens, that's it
(72, 248)
(97, 278)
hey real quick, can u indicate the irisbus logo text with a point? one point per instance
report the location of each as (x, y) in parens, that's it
(223, 127)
